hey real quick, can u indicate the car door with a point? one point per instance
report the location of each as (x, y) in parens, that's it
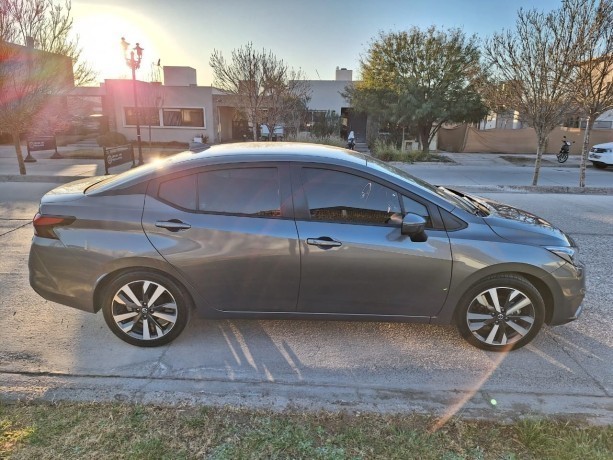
(230, 232)
(354, 258)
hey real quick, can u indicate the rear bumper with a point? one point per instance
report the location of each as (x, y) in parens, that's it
(70, 286)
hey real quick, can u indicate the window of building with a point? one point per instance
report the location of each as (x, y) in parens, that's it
(244, 191)
(184, 117)
(147, 116)
(335, 196)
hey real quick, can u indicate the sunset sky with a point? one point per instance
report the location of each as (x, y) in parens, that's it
(313, 35)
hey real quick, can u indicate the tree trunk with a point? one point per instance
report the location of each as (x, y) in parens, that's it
(17, 143)
(539, 155)
(584, 150)
(424, 135)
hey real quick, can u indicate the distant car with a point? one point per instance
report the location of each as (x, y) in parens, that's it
(601, 155)
(282, 230)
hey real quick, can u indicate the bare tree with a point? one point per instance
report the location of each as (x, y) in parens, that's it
(534, 64)
(36, 64)
(286, 94)
(591, 86)
(27, 80)
(48, 24)
(259, 82)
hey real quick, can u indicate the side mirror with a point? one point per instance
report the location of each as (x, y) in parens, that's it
(414, 226)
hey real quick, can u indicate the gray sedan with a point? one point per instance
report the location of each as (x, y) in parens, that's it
(282, 230)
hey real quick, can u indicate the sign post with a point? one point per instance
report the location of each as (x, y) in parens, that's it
(37, 144)
(115, 156)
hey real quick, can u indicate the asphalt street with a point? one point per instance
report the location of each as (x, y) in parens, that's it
(54, 352)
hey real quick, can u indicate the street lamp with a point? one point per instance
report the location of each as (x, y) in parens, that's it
(134, 64)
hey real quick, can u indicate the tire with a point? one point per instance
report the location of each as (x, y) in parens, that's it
(135, 319)
(599, 165)
(500, 313)
(562, 157)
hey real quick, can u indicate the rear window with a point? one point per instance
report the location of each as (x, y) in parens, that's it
(134, 174)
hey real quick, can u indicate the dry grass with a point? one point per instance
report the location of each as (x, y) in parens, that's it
(75, 431)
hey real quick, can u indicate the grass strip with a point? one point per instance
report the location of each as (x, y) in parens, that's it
(97, 430)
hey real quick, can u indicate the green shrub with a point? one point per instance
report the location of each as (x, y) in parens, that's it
(332, 139)
(389, 152)
(111, 139)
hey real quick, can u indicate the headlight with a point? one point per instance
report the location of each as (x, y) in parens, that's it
(569, 254)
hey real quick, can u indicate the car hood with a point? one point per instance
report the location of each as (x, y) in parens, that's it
(521, 226)
(606, 145)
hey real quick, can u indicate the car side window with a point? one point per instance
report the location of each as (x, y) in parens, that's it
(245, 191)
(414, 207)
(335, 196)
(180, 192)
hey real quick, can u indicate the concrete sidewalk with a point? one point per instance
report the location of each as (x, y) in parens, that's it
(469, 171)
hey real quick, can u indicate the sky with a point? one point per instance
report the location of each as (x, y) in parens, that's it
(315, 36)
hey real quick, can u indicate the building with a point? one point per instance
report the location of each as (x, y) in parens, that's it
(178, 110)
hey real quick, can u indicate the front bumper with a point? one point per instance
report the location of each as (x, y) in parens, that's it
(568, 298)
(605, 158)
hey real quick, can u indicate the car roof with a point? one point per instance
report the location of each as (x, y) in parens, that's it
(255, 151)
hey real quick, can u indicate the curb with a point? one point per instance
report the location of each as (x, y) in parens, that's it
(31, 178)
(553, 189)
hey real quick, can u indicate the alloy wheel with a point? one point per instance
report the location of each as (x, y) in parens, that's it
(144, 310)
(500, 316)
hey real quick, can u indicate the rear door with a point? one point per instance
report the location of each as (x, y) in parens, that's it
(230, 231)
(354, 258)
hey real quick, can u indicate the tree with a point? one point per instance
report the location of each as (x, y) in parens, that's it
(286, 94)
(265, 89)
(31, 75)
(591, 83)
(420, 78)
(533, 67)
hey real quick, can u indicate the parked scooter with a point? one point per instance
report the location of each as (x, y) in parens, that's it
(564, 150)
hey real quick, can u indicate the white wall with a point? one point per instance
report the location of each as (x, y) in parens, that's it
(325, 95)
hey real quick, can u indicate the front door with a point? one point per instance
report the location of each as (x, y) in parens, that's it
(355, 261)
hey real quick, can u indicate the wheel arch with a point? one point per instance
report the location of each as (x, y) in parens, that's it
(108, 278)
(533, 274)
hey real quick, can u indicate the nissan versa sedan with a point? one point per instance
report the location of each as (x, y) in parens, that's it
(290, 230)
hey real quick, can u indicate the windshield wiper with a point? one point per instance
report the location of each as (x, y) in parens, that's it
(474, 206)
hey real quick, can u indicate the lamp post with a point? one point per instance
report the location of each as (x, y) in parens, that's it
(134, 64)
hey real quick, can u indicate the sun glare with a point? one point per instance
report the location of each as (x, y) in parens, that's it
(100, 29)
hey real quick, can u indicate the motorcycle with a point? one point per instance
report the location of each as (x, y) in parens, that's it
(564, 150)
(351, 144)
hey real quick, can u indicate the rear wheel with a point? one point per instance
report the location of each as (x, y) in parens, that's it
(500, 313)
(145, 308)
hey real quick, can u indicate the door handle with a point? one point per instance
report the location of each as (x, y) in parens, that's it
(324, 242)
(174, 225)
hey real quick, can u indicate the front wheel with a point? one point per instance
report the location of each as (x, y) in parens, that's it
(599, 165)
(501, 313)
(562, 157)
(146, 309)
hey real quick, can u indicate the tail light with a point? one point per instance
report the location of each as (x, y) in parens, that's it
(44, 226)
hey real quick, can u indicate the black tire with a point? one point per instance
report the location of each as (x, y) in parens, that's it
(145, 308)
(599, 165)
(500, 313)
(562, 157)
